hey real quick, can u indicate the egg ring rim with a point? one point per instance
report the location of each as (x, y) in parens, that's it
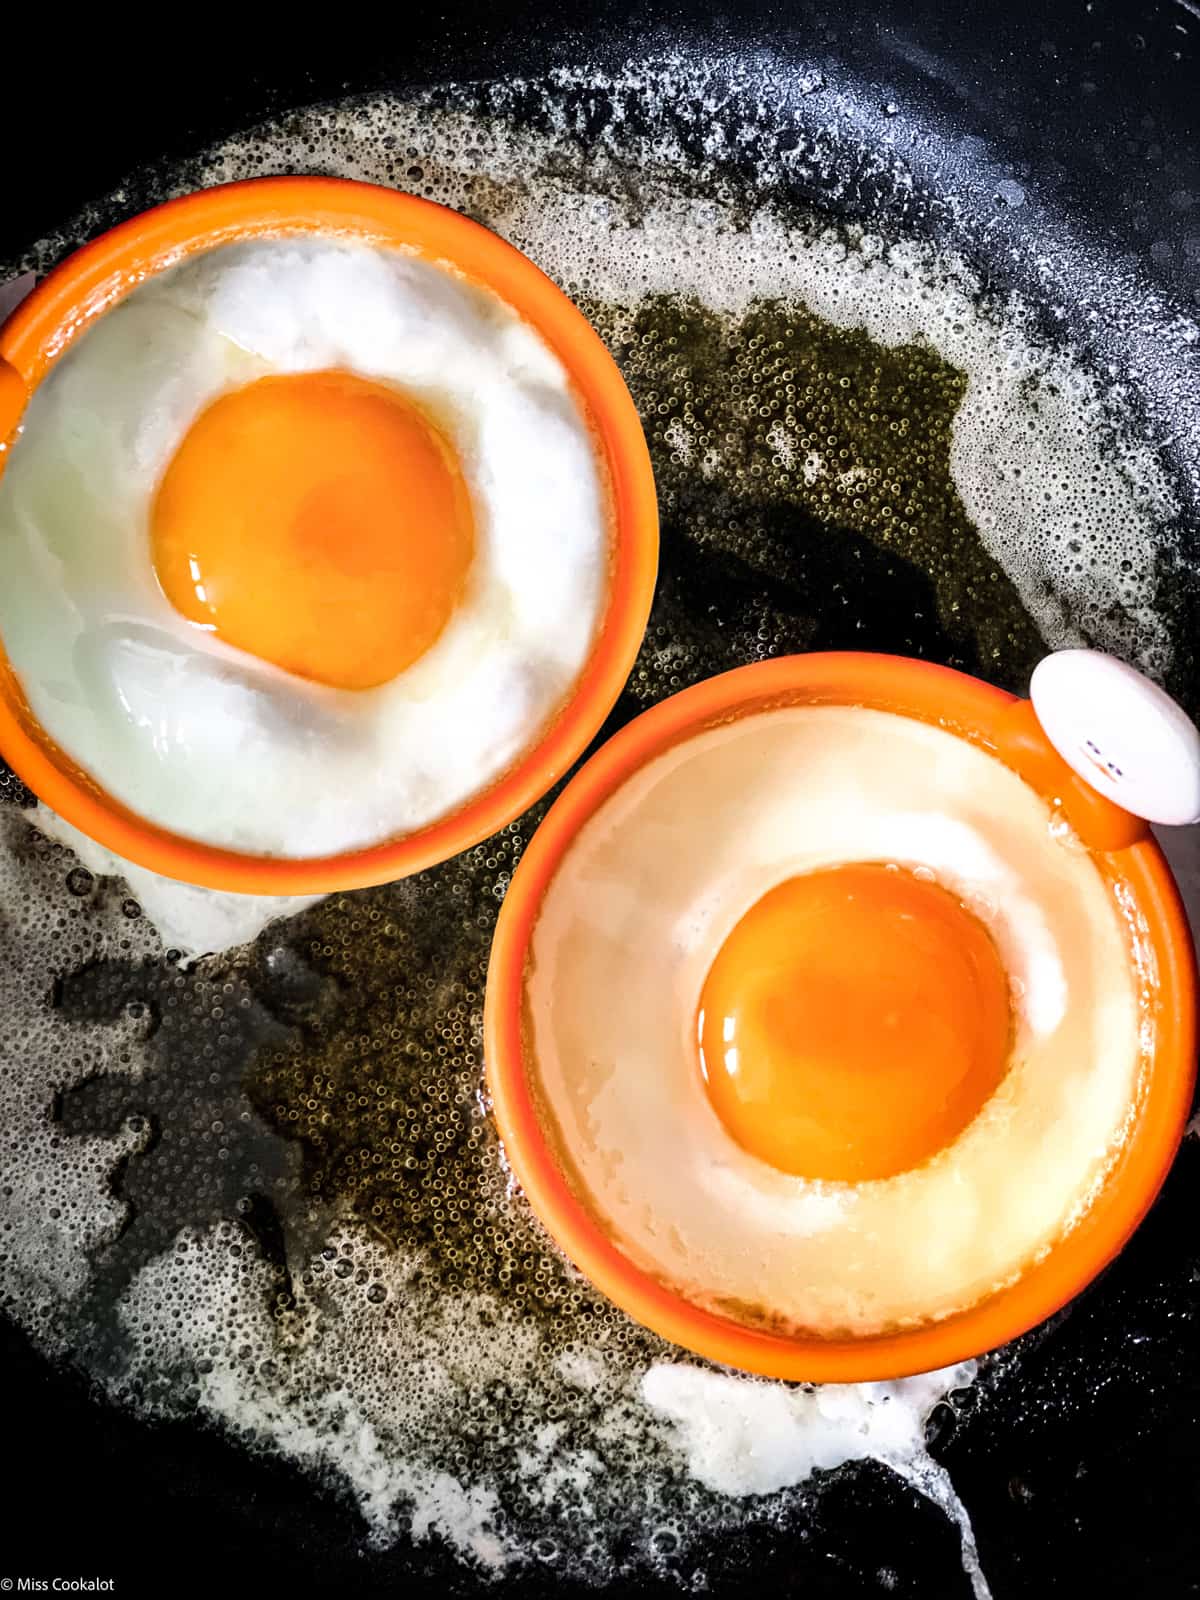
(102, 273)
(971, 709)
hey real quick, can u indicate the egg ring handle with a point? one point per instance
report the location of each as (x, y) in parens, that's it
(1021, 743)
(1107, 745)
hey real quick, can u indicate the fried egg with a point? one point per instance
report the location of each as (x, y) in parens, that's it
(305, 542)
(833, 1025)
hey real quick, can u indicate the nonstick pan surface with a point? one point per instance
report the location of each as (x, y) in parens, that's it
(1056, 154)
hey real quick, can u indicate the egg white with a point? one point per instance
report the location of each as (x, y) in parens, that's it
(644, 898)
(208, 740)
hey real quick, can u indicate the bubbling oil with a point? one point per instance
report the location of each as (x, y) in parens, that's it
(263, 1188)
(796, 458)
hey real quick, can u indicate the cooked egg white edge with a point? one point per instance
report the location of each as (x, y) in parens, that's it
(629, 927)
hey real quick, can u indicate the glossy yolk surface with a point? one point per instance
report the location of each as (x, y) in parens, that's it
(319, 521)
(853, 1023)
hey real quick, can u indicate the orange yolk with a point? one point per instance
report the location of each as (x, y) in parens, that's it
(853, 1023)
(318, 521)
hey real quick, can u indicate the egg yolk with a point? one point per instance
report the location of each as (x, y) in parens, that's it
(853, 1023)
(319, 521)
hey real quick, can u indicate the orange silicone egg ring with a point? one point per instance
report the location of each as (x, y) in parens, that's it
(100, 274)
(972, 709)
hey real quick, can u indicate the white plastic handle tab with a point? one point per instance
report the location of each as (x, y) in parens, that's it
(1121, 733)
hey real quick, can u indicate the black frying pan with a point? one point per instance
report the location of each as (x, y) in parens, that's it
(1077, 1460)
